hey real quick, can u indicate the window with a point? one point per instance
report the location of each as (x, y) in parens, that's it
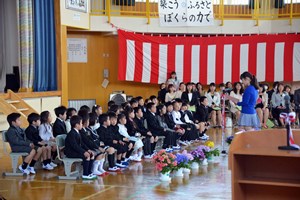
(232, 2)
(227, 2)
(289, 1)
(215, 2)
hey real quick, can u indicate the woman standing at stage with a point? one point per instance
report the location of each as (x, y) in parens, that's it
(248, 119)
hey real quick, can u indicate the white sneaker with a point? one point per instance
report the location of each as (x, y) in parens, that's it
(121, 166)
(205, 135)
(183, 143)
(169, 150)
(148, 157)
(89, 177)
(48, 167)
(24, 171)
(53, 164)
(133, 157)
(188, 142)
(137, 159)
(176, 147)
(127, 159)
(114, 169)
(31, 170)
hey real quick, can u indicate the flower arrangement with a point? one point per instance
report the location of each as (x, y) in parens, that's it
(165, 162)
(188, 155)
(229, 139)
(209, 152)
(210, 144)
(198, 154)
(182, 161)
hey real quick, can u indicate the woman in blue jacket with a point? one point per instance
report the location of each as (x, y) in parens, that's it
(248, 119)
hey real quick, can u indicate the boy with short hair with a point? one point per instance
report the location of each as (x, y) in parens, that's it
(59, 126)
(75, 148)
(18, 143)
(109, 139)
(32, 134)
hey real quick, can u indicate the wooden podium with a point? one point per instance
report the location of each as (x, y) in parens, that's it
(260, 170)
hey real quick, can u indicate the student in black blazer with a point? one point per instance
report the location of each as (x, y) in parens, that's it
(109, 139)
(201, 116)
(59, 126)
(89, 142)
(189, 96)
(155, 127)
(32, 134)
(75, 148)
(18, 142)
(148, 137)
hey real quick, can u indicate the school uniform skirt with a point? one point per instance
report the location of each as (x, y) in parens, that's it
(249, 120)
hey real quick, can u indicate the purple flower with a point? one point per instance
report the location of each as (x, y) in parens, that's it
(188, 155)
(181, 158)
(198, 154)
(203, 148)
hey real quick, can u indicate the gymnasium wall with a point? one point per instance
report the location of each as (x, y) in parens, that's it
(85, 79)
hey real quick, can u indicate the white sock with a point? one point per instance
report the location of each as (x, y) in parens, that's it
(95, 167)
(100, 168)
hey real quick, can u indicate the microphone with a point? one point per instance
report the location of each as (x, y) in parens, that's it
(287, 99)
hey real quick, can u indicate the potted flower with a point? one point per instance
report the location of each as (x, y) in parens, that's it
(199, 156)
(206, 152)
(165, 163)
(211, 152)
(229, 139)
(182, 162)
(190, 161)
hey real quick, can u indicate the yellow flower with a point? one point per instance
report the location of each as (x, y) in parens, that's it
(210, 144)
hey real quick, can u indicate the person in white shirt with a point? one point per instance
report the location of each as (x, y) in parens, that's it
(70, 112)
(138, 144)
(173, 80)
(237, 93)
(45, 132)
(214, 101)
(190, 129)
(182, 88)
(170, 96)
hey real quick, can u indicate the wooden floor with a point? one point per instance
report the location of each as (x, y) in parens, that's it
(139, 181)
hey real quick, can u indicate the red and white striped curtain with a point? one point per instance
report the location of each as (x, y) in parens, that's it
(151, 59)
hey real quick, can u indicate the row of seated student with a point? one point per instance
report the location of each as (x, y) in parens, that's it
(269, 100)
(94, 134)
(131, 130)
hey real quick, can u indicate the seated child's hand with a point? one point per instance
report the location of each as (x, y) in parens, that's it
(115, 141)
(126, 139)
(149, 133)
(31, 145)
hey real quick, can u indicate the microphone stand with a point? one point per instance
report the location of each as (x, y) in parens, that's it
(223, 122)
(288, 129)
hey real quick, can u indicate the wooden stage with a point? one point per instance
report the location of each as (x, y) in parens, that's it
(139, 181)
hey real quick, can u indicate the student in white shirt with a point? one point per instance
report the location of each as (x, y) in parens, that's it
(214, 101)
(45, 132)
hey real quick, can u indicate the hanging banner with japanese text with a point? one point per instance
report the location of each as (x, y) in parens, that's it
(186, 12)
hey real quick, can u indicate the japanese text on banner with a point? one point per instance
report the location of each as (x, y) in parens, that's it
(186, 12)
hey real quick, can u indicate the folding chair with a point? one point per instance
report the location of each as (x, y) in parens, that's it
(68, 162)
(14, 158)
